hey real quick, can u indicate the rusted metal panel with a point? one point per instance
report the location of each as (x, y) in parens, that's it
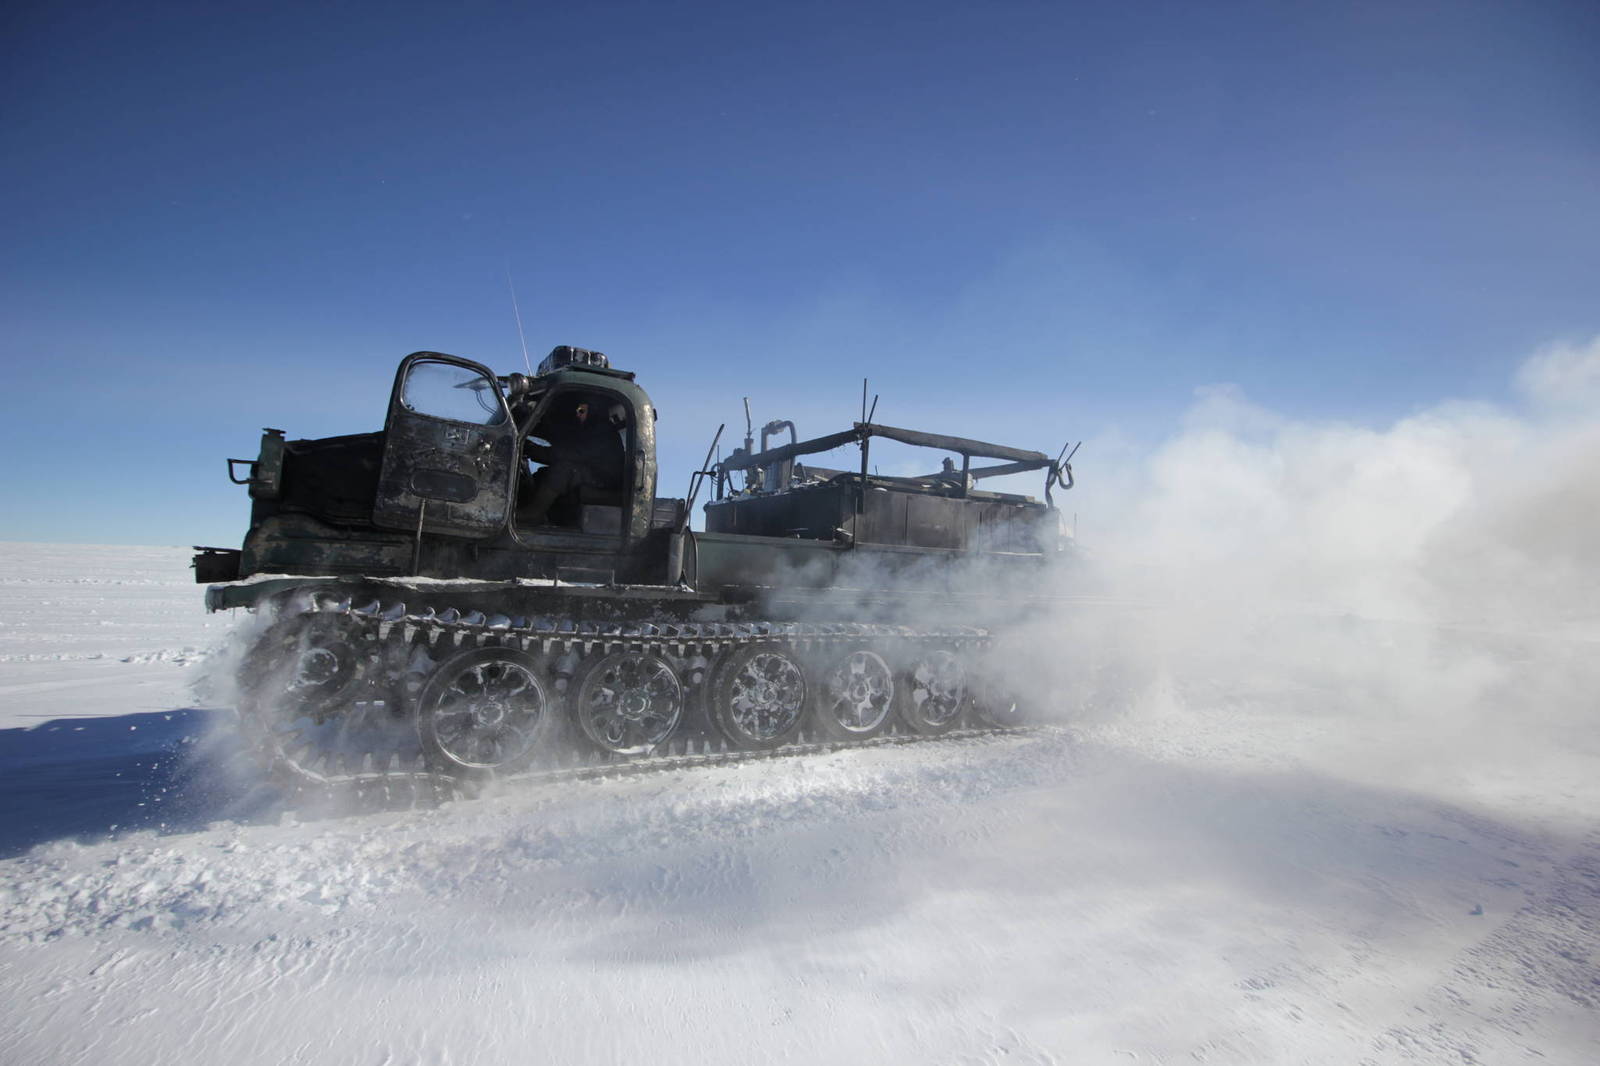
(724, 560)
(443, 472)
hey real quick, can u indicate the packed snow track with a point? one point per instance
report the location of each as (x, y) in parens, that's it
(1198, 859)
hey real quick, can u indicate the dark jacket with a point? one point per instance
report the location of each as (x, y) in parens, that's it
(592, 444)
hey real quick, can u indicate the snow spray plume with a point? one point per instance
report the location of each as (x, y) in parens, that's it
(1424, 598)
(224, 757)
(261, 688)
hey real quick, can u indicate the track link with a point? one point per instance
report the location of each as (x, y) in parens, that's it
(343, 716)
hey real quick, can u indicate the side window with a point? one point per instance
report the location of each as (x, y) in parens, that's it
(445, 390)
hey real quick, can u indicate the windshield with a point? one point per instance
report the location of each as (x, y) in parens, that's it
(445, 390)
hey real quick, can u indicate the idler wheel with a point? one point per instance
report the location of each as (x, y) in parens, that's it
(855, 695)
(934, 692)
(312, 700)
(307, 665)
(759, 697)
(484, 711)
(626, 702)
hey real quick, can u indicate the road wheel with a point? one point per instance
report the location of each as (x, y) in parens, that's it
(626, 702)
(855, 695)
(934, 692)
(483, 712)
(759, 697)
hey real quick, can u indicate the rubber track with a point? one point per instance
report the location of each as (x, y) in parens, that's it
(451, 630)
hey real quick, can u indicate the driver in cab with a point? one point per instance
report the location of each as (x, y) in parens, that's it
(585, 451)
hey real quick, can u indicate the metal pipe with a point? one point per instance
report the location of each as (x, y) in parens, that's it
(699, 477)
(675, 557)
(771, 428)
(786, 451)
(960, 445)
(416, 549)
(861, 490)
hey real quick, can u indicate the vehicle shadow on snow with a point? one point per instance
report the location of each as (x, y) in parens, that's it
(88, 778)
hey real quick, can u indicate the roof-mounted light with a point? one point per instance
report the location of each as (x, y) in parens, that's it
(565, 355)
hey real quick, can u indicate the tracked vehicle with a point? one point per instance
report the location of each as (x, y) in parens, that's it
(443, 597)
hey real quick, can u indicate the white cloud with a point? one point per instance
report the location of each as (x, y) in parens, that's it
(1564, 377)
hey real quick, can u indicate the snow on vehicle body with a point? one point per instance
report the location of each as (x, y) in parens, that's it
(422, 617)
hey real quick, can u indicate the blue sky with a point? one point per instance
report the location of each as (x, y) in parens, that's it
(1027, 221)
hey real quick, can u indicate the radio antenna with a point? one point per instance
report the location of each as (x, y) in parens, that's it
(515, 310)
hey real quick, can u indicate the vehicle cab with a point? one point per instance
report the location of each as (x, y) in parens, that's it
(455, 448)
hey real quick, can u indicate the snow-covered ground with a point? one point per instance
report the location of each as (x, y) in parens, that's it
(87, 631)
(1222, 851)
